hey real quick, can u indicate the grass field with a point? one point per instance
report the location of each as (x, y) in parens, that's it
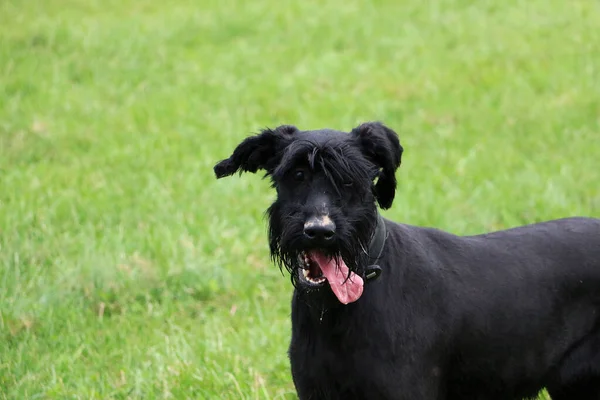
(128, 271)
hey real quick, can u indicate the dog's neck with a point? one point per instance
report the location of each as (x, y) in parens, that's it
(376, 245)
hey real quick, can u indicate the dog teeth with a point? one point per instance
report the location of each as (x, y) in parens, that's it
(304, 260)
(306, 272)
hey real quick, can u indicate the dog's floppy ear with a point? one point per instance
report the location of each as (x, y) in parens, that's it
(256, 152)
(382, 147)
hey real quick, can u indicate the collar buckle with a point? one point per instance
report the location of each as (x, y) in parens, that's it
(376, 246)
(372, 272)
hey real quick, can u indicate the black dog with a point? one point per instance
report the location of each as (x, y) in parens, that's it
(390, 311)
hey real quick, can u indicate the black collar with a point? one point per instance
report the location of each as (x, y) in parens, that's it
(376, 245)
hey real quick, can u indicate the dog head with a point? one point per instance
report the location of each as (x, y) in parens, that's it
(328, 185)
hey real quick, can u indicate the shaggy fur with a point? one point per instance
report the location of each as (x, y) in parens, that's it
(496, 316)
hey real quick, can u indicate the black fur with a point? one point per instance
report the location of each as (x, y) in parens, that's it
(496, 316)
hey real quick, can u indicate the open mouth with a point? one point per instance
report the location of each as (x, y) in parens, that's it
(316, 269)
(310, 270)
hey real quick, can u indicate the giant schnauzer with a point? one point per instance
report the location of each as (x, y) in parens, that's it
(383, 310)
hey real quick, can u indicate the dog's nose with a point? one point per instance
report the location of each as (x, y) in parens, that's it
(319, 228)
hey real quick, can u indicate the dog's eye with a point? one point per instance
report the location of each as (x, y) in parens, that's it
(348, 183)
(299, 175)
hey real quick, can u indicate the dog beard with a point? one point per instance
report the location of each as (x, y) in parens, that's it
(340, 264)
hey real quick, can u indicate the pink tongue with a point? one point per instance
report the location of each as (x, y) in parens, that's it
(347, 289)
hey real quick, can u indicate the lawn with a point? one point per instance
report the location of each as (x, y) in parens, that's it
(128, 271)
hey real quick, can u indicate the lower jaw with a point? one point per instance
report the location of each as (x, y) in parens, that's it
(311, 283)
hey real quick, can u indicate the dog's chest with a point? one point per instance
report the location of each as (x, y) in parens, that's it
(330, 365)
(337, 357)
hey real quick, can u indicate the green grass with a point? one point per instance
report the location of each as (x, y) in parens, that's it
(128, 271)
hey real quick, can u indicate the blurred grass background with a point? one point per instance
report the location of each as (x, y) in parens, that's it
(128, 271)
